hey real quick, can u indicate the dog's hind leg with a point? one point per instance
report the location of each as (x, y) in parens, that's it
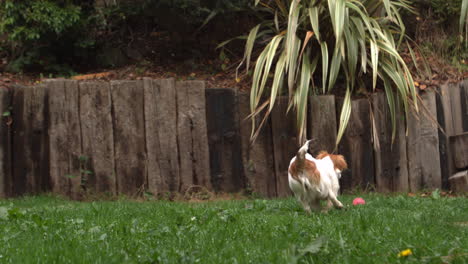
(306, 206)
(315, 204)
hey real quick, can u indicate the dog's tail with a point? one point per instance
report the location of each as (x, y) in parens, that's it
(300, 162)
(301, 155)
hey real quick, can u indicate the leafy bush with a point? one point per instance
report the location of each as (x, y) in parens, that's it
(32, 26)
(441, 30)
(313, 42)
(444, 12)
(62, 36)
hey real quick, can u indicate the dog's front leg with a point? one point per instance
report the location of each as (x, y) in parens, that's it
(332, 198)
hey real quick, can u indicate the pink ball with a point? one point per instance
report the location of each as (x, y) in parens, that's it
(358, 200)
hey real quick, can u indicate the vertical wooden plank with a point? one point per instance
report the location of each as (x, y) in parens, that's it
(455, 103)
(192, 135)
(30, 140)
(423, 145)
(464, 103)
(443, 137)
(161, 139)
(5, 143)
(285, 143)
(356, 146)
(459, 149)
(227, 172)
(445, 119)
(65, 138)
(446, 109)
(414, 148)
(97, 136)
(322, 123)
(129, 136)
(430, 155)
(391, 170)
(257, 157)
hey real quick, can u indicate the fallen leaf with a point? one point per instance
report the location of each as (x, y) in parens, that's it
(91, 76)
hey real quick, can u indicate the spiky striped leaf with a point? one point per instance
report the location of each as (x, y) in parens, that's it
(463, 14)
(375, 62)
(334, 67)
(324, 48)
(391, 106)
(270, 55)
(314, 20)
(344, 116)
(249, 46)
(302, 96)
(291, 44)
(278, 79)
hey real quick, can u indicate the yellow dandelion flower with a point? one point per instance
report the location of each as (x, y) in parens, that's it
(405, 253)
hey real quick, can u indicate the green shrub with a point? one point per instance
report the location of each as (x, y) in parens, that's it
(31, 27)
(444, 12)
(442, 31)
(64, 36)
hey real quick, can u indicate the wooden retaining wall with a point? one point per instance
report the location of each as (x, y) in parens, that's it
(166, 136)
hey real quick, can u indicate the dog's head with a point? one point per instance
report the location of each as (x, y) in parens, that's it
(339, 161)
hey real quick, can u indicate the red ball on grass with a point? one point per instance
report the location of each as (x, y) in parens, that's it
(358, 200)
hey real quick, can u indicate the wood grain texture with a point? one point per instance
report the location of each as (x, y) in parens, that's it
(161, 139)
(356, 146)
(30, 140)
(129, 136)
(464, 104)
(192, 135)
(423, 145)
(65, 138)
(445, 165)
(97, 136)
(391, 164)
(459, 150)
(257, 157)
(322, 123)
(5, 143)
(285, 143)
(456, 107)
(449, 116)
(227, 172)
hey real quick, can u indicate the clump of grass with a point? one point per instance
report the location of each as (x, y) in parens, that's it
(51, 230)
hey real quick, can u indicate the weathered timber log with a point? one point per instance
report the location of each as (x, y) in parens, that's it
(97, 159)
(161, 139)
(227, 172)
(65, 138)
(391, 165)
(192, 135)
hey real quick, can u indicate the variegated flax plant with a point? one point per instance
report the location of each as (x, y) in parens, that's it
(463, 21)
(311, 43)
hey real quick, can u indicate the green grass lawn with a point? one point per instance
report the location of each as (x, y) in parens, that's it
(52, 230)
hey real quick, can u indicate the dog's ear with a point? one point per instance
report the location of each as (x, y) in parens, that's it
(339, 162)
(322, 154)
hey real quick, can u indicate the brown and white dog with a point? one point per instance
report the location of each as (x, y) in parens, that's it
(313, 180)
